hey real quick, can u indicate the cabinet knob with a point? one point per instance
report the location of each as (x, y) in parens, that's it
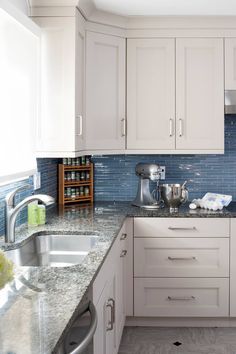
(123, 237)
(123, 253)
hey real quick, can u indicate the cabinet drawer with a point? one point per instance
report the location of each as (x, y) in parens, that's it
(181, 227)
(181, 297)
(181, 257)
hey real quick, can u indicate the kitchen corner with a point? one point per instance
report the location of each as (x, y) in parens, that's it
(117, 177)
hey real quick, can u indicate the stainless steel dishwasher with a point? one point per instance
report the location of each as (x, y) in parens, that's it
(79, 339)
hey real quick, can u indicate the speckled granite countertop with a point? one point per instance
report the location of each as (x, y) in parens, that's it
(37, 308)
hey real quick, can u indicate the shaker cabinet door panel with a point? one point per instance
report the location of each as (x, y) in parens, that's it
(55, 128)
(181, 297)
(181, 257)
(199, 94)
(105, 92)
(151, 94)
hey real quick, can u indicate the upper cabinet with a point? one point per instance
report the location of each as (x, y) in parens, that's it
(175, 95)
(175, 90)
(105, 127)
(60, 124)
(151, 94)
(199, 94)
(230, 63)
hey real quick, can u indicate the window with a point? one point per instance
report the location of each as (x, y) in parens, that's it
(19, 63)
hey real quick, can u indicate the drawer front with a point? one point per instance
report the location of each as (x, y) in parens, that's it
(181, 227)
(181, 297)
(181, 257)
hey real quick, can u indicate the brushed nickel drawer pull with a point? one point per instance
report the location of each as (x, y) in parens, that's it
(182, 258)
(123, 127)
(111, 305)
(182, 228)
(181, 298)
(80, 122)
(123, 237)
(180, 127)
(123, 253)
(171, 127)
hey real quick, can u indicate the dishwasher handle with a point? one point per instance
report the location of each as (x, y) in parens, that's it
(94, 319)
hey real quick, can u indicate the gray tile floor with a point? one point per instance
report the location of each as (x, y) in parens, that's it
(153, 340)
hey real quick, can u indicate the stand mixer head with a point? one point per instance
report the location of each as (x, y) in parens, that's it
(146, 173)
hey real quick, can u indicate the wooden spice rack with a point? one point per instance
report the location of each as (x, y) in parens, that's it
(63, 184)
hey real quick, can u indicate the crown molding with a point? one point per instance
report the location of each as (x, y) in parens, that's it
(53, 3)
(129, 23)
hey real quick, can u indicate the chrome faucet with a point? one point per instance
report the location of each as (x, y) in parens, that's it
(12, 211)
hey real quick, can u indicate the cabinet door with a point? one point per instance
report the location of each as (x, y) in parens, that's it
(56, 124)
(230, 63)
(99, 339)
(105, 92)
(110, 309)
(199, 94)
(104, 341)
(151, 93)
(80, 83)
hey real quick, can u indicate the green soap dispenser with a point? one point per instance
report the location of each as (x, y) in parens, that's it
(41, 214)
(33, 214)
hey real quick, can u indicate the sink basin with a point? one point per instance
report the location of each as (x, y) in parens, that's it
(53, 250)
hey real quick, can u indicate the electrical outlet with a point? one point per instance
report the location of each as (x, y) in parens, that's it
(163, 172)
(37, 180)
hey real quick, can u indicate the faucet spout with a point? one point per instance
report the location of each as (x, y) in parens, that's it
(12, 212)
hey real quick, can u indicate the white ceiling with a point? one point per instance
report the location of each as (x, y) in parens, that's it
(167, 7)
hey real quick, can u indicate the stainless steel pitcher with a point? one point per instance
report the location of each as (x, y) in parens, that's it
(174, 195)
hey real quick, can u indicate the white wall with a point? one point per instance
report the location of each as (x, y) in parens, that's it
(21, 5)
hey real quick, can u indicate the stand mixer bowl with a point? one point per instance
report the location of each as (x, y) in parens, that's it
(174, 195)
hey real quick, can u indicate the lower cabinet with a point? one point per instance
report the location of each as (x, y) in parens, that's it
(104, 338)
(181, 267)
(182, 297)
(109, 291)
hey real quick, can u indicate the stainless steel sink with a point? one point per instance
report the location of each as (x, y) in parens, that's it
(53, 250)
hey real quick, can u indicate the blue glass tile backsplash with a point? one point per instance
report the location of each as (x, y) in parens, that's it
(115, 175)
(48, 169)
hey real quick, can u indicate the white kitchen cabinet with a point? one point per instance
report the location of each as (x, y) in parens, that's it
(230, 63)
(182, 297)
(184, 257)
(105, 127)
(175, 95)
(199, 94)
(104, 298)
(60, 123)
(109, 294)
(151, 94)
(181, 267)
(181, 227)
(99, 339)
